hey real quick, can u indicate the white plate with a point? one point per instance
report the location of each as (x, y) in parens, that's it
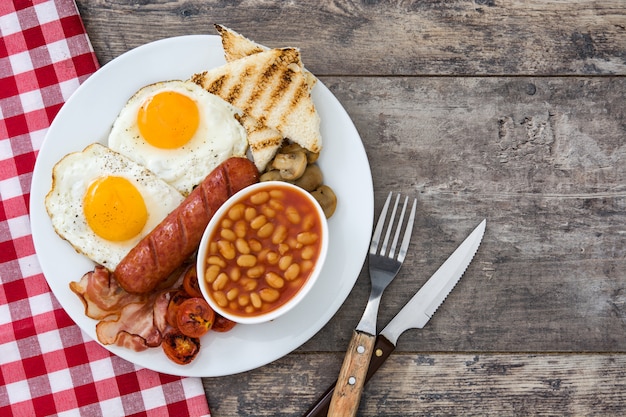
(87, 117)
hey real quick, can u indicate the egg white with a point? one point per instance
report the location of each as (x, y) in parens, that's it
(219, 136)
(71, 178)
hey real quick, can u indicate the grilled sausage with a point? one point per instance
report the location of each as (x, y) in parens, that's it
(166, 247)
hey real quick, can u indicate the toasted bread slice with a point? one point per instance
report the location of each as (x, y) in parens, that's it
(263, 141)
(237, 46)
(269, 86)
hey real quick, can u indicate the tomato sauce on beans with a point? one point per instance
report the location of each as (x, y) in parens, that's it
(263, 251)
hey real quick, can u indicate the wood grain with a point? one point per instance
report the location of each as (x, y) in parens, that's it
(458, 37)
(548, 275)
(500, 109)
(345, 400)
(437, 384)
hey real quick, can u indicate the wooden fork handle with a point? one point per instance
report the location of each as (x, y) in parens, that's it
(347, 395)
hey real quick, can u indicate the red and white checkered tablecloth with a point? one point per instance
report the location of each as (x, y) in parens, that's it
(48, 366)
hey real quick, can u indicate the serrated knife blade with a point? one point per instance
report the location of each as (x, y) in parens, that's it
(417, 311)
(421, 307)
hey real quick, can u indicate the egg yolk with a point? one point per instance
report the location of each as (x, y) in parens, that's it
(114, 208)
(168, 119)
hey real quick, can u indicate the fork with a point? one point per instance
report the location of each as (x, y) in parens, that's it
(384, 264)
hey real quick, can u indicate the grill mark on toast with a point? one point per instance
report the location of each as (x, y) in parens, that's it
(234, 93)
(282, 83)
(199, 78)
(259, 146)
(236, 45)
(261, 85)
(238, 87)
(295, 100)
(271, 91)
(216, 86)
(280, 90)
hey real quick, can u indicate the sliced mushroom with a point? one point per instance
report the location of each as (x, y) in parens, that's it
(312, 157)
(291, 147)
(312, 178)
(272, 175)
(291, 165)
(327, 199)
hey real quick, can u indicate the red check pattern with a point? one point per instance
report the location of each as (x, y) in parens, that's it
(48, 366)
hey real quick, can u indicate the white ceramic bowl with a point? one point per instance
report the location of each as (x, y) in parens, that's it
(268, 313)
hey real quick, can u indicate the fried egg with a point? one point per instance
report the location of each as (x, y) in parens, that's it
(104, 203)
(179, 131)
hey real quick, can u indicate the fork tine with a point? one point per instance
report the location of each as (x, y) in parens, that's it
(407, 233)
(392, 218)
(379, 226)
(392, 251)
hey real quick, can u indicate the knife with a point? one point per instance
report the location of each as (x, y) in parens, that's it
(416, 312)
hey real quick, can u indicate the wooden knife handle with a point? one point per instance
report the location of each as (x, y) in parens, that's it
(382, 350)
(345, 400)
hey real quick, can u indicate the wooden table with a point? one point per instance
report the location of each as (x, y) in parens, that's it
(509, 110)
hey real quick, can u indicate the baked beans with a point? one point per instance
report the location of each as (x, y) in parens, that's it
(262, 251)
